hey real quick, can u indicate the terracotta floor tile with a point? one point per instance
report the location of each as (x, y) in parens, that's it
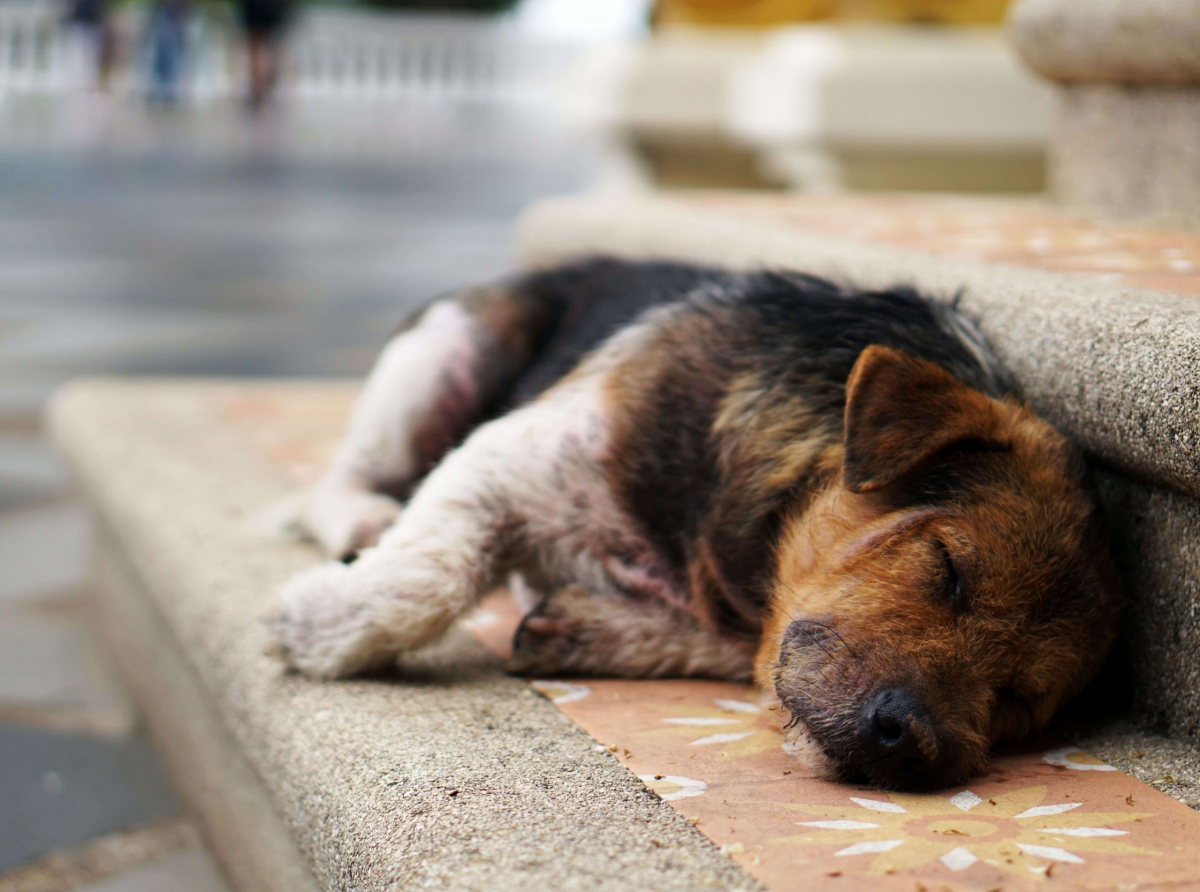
(1018, 233)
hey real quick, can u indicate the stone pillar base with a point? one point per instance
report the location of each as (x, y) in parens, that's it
(1129, 151)
(1127, 141)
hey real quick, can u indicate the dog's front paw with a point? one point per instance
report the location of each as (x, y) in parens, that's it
(319, 629)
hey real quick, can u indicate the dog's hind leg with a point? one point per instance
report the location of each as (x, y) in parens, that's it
(435, 380)
(579, 632)
(478, 515)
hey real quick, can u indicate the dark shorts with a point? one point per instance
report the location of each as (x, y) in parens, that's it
(264, 17)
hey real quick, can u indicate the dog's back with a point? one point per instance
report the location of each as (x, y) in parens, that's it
(593, 300)
(812, 322)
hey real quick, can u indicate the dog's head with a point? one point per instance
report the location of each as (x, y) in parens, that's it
(948, 592)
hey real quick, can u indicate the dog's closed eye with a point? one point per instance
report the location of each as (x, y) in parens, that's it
(955, 594)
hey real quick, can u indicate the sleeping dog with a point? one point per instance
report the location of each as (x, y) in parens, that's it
(695, 472)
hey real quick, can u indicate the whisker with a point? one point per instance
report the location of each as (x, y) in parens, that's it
(839, 637)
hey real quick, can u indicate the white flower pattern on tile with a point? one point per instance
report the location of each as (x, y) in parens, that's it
(722, 738)
(738, 727)
(966, 800)
(1050, 853)
(837, 825)
(877, 805)
(958, 859)
(671, 787)
(560, 692)
(1062, 757)
(738, 705)
(909, 831)
(1041, 811)
(871, 848)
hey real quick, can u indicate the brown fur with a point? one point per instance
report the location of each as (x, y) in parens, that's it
(853, 595)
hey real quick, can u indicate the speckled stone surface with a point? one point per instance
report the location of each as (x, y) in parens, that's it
(1156, 532)
(1129, 151)
(1167, 764)
(1118, 369)
(451, 776)
(239, 821)
(1114, 41)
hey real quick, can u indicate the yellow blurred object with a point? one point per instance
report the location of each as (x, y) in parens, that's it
(947, 12)
(766, 13)
(742, 13)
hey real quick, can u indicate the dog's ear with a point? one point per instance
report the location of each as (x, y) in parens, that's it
(902, 411)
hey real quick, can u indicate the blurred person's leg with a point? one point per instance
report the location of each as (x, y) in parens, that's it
(96, 39)
(106, 54)
(265, 51)
(263, 22)
(168, 36)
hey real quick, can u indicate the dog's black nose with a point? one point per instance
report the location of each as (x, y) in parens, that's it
(895, 734)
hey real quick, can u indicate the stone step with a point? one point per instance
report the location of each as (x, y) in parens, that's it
(450, 774)
(458, 778)
(1112, 364)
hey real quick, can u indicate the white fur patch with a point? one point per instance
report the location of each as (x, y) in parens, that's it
(343, 513)
(518, 476)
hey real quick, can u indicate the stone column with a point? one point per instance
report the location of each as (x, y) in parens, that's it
(1127, 138)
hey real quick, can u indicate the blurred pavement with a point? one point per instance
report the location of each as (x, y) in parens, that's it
(197, 243)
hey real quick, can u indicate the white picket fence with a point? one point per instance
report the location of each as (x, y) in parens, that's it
(332, 53)
(35, 52)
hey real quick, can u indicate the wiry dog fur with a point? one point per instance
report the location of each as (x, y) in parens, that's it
(733, 475)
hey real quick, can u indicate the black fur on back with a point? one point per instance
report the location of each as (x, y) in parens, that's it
(807, 326)
(595, 299)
